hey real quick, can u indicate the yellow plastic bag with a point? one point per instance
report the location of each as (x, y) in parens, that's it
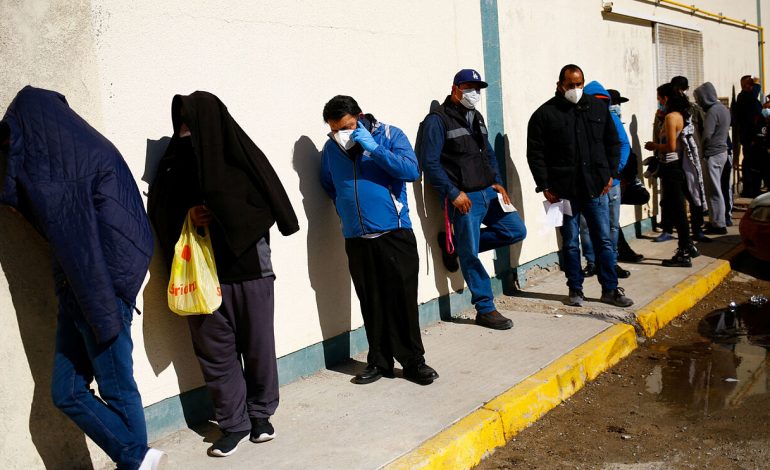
(193, 288)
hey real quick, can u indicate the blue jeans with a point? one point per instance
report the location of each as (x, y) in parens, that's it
(597, 215)
(585, 238)
(502, 229)
(116, 421)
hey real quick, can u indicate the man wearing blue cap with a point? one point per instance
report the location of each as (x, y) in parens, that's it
(460, 163)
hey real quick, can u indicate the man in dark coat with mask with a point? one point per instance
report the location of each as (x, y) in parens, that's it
(573, 152)
(75, 188)
(214, 170)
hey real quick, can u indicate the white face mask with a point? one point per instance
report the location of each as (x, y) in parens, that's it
(573, 95)
(471, 98)
(342, 137)
(615, 109)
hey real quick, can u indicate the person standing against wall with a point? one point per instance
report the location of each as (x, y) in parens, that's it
(461, 164)
(672, 148)
(596, 89)
(747, 116)
(215, 171)
(364, 169)
(573, 152)
(716, 126)
(75, 188)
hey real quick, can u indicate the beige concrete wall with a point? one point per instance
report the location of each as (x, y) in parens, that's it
(275, 64)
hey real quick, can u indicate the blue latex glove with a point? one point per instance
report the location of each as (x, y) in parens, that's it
(364, 137)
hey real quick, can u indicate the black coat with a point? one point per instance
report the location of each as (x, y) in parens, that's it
(572, 150)
(231, 176)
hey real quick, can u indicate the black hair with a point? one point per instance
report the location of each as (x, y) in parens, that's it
(676, 100)
(339, 107)
(569, 68)
(746, 77)
(680, 83)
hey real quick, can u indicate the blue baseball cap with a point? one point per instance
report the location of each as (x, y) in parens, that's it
(469, 76)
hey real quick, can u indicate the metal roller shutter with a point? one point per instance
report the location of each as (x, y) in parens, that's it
(680, 52)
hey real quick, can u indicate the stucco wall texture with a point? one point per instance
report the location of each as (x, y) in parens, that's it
(275, 64)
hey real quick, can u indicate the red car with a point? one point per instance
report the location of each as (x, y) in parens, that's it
(755, 228)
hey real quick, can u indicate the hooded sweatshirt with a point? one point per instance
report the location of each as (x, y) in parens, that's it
(717, 122)
(596, 89)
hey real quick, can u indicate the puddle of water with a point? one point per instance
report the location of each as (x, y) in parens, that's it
(730, 365)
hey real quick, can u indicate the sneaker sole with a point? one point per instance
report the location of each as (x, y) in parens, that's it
(218, 453)
(264, 437)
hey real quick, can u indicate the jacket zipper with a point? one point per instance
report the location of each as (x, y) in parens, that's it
(395, 207)
(355, 190)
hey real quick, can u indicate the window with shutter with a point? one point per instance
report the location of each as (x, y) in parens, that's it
(680, 52)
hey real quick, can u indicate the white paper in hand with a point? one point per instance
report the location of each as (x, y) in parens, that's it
(554, 213)
(506, 207)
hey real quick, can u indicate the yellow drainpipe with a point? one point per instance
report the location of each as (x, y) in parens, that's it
(735, 22)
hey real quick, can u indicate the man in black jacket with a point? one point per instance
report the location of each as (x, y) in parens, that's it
(215, 171)
(573, 152)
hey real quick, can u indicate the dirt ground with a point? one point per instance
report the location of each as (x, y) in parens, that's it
(679, 401)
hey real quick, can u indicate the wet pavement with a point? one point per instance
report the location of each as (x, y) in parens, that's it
(732, 364)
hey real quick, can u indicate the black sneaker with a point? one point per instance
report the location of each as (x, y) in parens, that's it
(228, 443)
(713, 230)
(261, 430)
(622, 273)
(450, 259)
(616, 297)
(576, 298)
(679, 260)
(589, 270)
(630, 256)
(494, 321)
(692, 251)
(422, 374)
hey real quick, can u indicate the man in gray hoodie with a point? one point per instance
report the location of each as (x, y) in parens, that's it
(715, 129)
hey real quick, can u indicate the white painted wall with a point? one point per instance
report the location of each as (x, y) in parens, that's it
(275, 64)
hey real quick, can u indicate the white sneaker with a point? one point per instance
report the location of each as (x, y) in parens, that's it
(154, 459)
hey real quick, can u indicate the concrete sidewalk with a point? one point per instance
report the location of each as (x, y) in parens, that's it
(325, 421)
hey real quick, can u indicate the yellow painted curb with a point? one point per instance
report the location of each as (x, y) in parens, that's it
(672, 303)
(462, 445)
(465, 443)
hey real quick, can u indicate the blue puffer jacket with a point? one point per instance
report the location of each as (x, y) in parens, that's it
(369, 190)
(72, 184)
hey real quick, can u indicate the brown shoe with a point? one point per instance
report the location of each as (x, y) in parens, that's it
(494, 321)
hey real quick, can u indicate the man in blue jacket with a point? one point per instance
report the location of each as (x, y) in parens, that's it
(461, 164)
(364, 170)
(596, 89)
(73, 186)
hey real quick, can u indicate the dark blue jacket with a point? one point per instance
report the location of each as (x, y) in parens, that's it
(369, 190)
(73, 185)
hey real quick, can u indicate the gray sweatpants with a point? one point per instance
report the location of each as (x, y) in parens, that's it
(242, 328)
(714, 165)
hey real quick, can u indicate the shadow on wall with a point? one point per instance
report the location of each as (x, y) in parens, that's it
(326, 258)
(167, 339)
(636, 147)
(431, 214)
(508, 258)
(25, 261)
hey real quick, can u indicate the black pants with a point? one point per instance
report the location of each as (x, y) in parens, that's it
(751, 168)
(674, 185)
(727, 189)
(242, 328)
(384, 272)
(667, 223)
